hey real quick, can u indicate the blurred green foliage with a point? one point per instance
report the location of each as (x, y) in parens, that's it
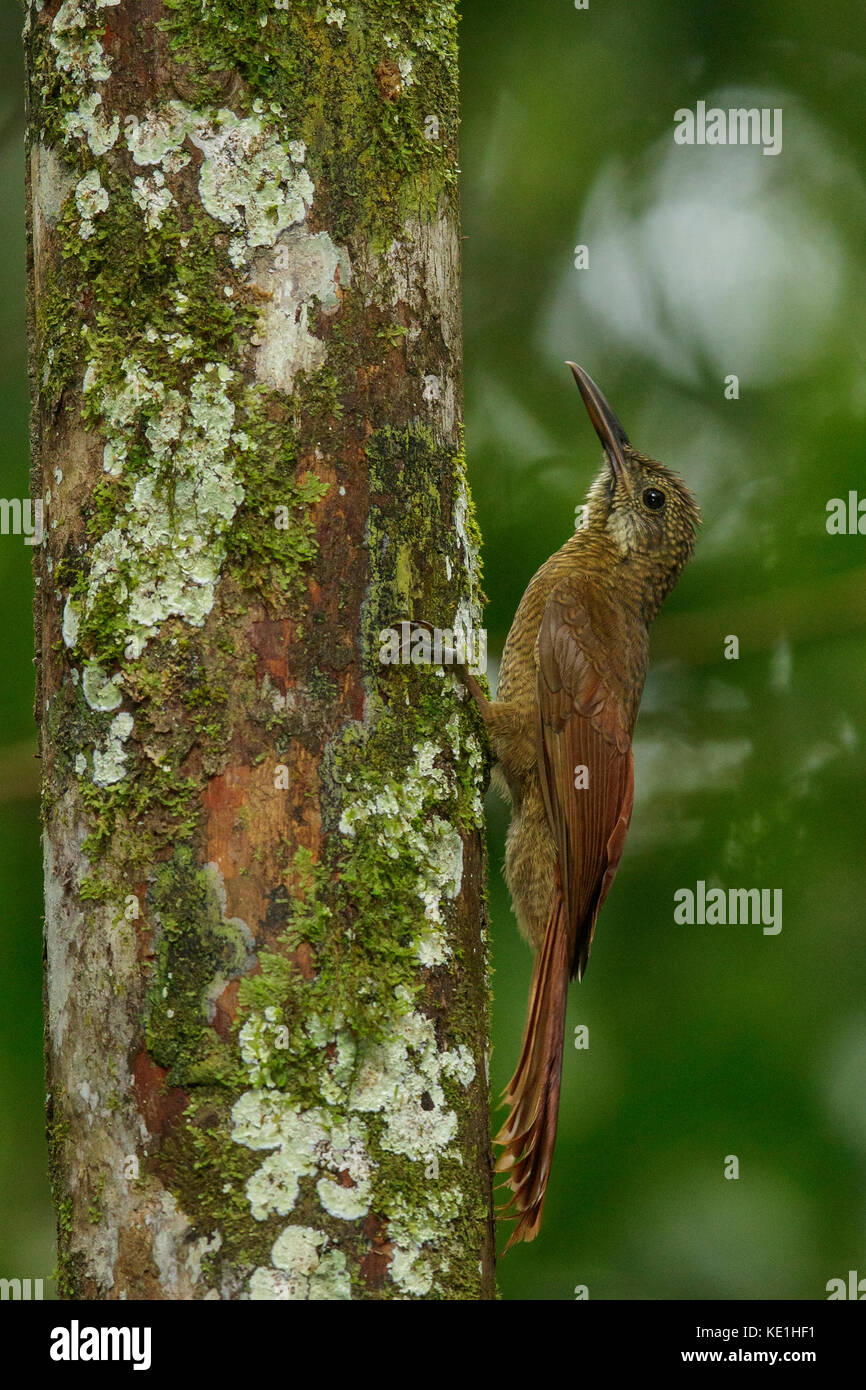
(703, 1041)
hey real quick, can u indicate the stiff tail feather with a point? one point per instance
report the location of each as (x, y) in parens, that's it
(529, 1133)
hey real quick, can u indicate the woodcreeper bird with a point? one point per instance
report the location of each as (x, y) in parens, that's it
(570, 684)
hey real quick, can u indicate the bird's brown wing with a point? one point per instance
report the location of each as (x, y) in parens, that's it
(587, 699)
(586, 711)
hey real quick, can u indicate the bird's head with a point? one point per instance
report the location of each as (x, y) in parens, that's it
(646, 509)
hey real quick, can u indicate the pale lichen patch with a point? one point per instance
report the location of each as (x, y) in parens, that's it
(163, 557)
(269, 1119)
(410, 1272)
(250, 179)
(154, 199)
(88, 123)
(406, 829)
(401, 1079)
(71, 622)
(100, 690)
(158, 137)
(91, 199)
(305, 275)
(109, 761)
(52, 182)
(177, 1251)
(303, 1268)
(79, 50)
(346, 1203)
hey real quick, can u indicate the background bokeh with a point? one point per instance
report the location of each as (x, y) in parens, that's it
(704, 1041)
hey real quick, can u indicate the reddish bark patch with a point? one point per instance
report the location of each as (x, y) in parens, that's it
(158, 1107)
(389, 80)
(270, 639)
(226, 1009)
(303, 958)
(376, 1262)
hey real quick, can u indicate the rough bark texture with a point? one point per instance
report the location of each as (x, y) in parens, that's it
(266, 958)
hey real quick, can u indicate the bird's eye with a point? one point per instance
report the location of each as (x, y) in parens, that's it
(654, 498)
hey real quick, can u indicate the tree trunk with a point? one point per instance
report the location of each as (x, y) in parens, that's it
(264, 868)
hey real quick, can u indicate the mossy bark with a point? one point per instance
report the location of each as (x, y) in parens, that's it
(266, 958)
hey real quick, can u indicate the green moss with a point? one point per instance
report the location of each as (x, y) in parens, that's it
(411, 477)
(208, 1174)
(94, 1210)
(168, 288)
(64, 1272)
(110, 306)
(318, 394)
(272, 541)
(197, 950)
(131, 805)
(110, 309)
(57, 82)
(364, 137)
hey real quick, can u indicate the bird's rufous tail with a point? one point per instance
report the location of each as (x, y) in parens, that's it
(529, 1133)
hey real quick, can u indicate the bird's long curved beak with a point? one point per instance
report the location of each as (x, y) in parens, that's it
(607, 426)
